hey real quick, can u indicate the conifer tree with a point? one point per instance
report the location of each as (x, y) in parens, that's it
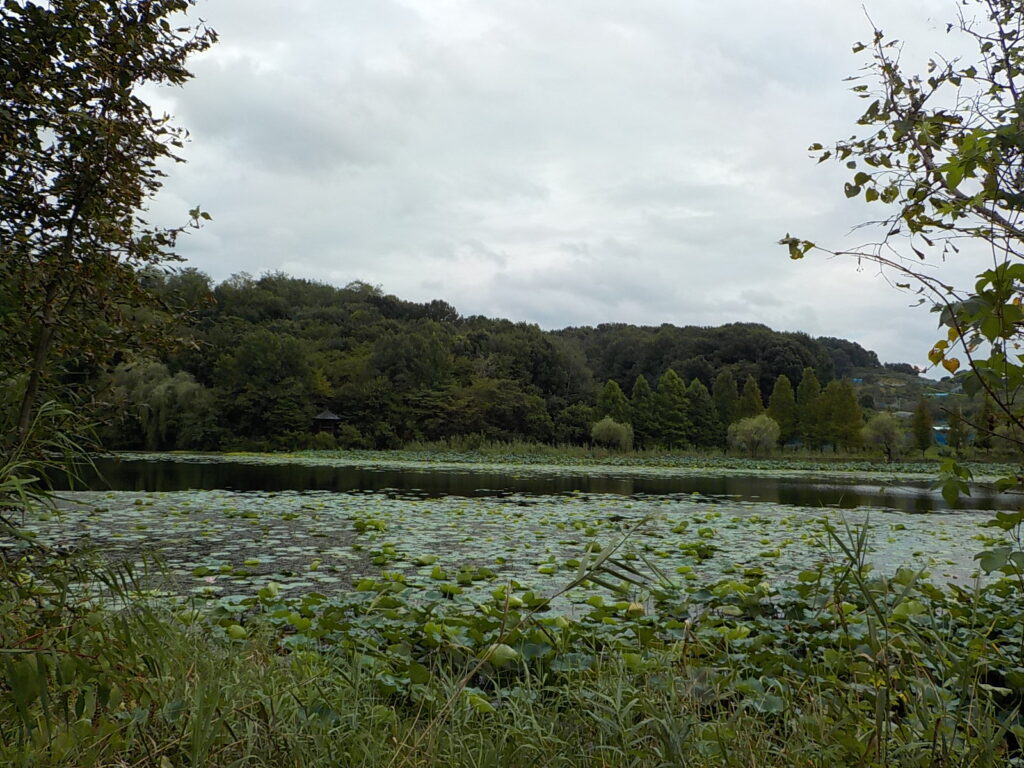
(782, 408)
(672, 411)
(839, 416)
(611, 401)
(957, 432)
(726, 396)
(750, 404)
(985, 423)
(642, 407)
(706, 429)
(921, 426)
(807, 395)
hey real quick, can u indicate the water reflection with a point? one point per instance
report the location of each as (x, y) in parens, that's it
(163, 475)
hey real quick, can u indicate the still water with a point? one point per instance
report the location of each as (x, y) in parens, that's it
(171, 475)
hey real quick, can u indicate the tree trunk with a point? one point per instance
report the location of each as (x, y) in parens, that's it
(48, 321)
(42, 350)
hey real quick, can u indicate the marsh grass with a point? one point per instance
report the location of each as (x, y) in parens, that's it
(478, 445)
(838, 668)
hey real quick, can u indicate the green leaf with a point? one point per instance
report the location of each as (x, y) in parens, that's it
(480, 704)
(954, 176)
(993, 559)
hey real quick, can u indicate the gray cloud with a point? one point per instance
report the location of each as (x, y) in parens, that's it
(561, 163)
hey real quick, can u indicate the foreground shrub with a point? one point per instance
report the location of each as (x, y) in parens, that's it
(837, 668)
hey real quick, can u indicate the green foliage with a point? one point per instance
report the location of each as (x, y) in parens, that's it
(939, 155)
(750, 403)
(839, 416)
(672, 411)
(80, 155)
(267, 353)
(491, 408)
(726, 396)
(985, 425)
(706, 431)
(622, 352)
(323, 441)
(921, 426)
(612, 434)
(643, 409)
(884, 430)
(808, 393)
(756, 436)
(573, 423)
(157, 411)
(611, 402)
(957, 435)
(783, 409)
(837, 666)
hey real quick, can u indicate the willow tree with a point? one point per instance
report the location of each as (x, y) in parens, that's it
(81, 153)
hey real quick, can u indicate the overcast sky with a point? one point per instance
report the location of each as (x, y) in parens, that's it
(560, 162)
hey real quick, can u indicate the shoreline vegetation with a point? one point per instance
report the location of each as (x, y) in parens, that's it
(838, 663)
(673, 652)
(565, 459)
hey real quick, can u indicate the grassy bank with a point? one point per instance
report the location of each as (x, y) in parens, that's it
(835, 668)
(529, 456)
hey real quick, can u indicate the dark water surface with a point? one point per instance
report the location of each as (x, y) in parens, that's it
(171, 475)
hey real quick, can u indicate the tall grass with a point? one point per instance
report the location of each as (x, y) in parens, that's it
(839, 668)
(476, 444)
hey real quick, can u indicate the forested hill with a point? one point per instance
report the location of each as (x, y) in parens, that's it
(263, 356)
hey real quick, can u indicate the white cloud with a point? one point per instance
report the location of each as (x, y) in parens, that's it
(563, 163)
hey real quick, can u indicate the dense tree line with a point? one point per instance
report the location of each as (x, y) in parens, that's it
(257, 359)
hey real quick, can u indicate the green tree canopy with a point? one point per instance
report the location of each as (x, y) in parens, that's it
(807, 394)
(938, 156)
(643, 407)
(957, 434)
(884, 431)
(573, 423)
(839, 416)
(750, 403)
(921, 426)
(611, 401)
(612, 434)
(783, 409)
(705, 428)
(80, 154)
(985, 424)
(672, 411)
(726, 396)
(756, 435)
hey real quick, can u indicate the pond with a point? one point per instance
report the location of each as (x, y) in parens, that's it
(225, 526)
(148, 473)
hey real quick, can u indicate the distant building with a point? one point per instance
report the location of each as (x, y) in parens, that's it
(326, 421)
